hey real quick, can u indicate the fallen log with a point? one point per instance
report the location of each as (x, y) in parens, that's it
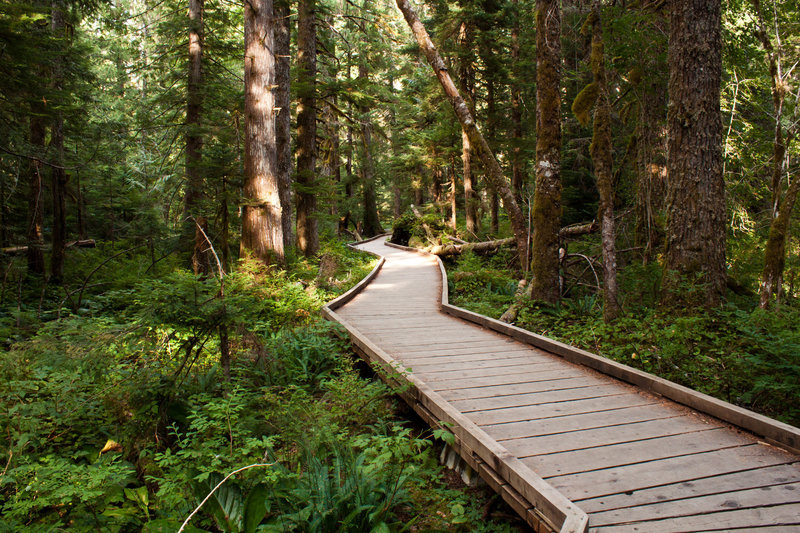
(477, 247)
(17, 250)
(428, 230)
(521, 296)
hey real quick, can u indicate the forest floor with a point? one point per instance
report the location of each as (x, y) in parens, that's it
(116, 414)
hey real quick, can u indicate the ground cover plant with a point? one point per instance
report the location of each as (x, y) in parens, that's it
(121, 416)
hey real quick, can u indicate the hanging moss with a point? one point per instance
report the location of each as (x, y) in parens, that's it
(584, 103)
(586, 29)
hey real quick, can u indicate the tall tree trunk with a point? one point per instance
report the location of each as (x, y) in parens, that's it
(602, 159)
(344, 216)
(466, 78)
(494, 200)
(36, 196)
(696, 193)
(262, 226)
(307, 223)
(781, 209)
(193, 195)
(547, 198)
(651, 168)
(372, 225)
(493, 171)
(517, 181)
(59, 175)
(283, 126)
(453, 194)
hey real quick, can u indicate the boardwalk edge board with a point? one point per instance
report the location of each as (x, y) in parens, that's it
(773, 431)
(541, 505)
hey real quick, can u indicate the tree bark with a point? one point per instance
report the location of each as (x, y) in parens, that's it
(696, 193)
(547, 198)
(283, 126)
(602, 160)
(372, 225)
(493, 170)
(36, 197)
(517, 181)
(453, 195)
(307, 223)
(466, 78)
(193, 195)
(59, 175)
(262, 225)
(775, 252)
(476, 247)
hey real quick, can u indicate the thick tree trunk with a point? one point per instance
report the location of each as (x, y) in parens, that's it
(283, 126)
(547, 198)
(476, 247)
(36, 198)
(651, 168)
(696, 193)
(372, 224)
(493, 171)
(307, 224)
(602, 159)
(59, 175)
(262, 225)
(193, 195)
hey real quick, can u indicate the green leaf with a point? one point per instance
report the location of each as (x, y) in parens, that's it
(255, 507)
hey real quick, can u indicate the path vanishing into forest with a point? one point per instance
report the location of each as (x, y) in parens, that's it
(570, 447)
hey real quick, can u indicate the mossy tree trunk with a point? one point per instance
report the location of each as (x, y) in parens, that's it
(602, 160)
(547, 197)
(493, 171)
(517, 180)
(695, 241)
(306, 196)
(781, 208)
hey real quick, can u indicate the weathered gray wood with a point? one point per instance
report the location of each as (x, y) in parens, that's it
(515, 409)
(634, 452)
(718, 484)
(531, 386)
(536, 398)
(592, 438)
(673, 470)
(742, 519)
(606, 419)
(745, 499)
(559, 409)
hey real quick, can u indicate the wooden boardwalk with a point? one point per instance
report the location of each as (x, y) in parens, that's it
(571, 448)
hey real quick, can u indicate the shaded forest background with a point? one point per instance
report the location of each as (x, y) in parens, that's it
(165, 247)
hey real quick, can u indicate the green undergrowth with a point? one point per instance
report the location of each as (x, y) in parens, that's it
(118, 416)
(736, 352)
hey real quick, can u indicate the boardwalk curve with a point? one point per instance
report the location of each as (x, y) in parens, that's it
(572, 441)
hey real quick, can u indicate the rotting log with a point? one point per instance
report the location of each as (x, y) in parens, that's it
(15, 250)
(522, 295)
(476, 247)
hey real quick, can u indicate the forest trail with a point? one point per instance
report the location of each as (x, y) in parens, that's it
(538, 427)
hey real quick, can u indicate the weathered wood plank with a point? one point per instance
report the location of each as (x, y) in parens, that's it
(581, 422)
(559, 409)
(744, 499)
(717, 484)
(518, 360)
(570, 381)
(634, 452)
(673, 470)
(536, 398)
(592, 438)
(741, 519)
(506, 379)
